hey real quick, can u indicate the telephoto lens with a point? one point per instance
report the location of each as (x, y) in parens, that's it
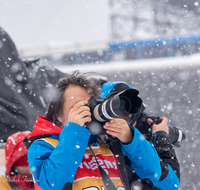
(123, 104)
(176, 135)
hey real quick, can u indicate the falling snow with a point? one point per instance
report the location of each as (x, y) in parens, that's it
(167, 90)
(177, 99)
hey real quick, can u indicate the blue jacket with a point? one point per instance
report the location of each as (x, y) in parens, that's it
(54, 165)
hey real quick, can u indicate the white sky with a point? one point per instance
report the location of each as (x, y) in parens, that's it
(40, 23)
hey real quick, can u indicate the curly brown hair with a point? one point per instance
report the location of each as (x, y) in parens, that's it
(56, 99)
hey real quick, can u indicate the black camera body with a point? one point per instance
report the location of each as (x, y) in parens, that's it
(129, 106)
(95, 126)
(175, 134)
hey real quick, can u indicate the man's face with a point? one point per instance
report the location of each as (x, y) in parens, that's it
(72, 95)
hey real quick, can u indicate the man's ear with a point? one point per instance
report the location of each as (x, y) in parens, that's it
(60, 118)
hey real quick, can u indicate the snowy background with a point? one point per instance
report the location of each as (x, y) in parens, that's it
(169, 87)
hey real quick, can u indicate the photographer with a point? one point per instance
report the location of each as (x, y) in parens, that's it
(63, 154)
(159, 135)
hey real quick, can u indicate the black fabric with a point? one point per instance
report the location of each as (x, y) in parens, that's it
(67, 186)
(166, 153)
(28, 142)
(136, 182)
(25, 86)
(106, 179)
(143, 126)
(117, 151)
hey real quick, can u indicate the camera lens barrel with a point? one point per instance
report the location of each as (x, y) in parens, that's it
(123, 104)
(181, 136)
(107, 110)
(175, 135)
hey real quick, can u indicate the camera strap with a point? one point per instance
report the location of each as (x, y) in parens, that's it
(115, 146)
(107, 181)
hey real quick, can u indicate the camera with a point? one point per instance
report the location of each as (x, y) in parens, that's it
(175, 134)
(122, 105)
(129, 106)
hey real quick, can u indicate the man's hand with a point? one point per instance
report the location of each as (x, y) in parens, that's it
(120, 129)
(80, 114)
(159, 127)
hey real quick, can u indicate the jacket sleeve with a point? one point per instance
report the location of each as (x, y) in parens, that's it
(170, 169)
(147, 164)
(53, 167)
